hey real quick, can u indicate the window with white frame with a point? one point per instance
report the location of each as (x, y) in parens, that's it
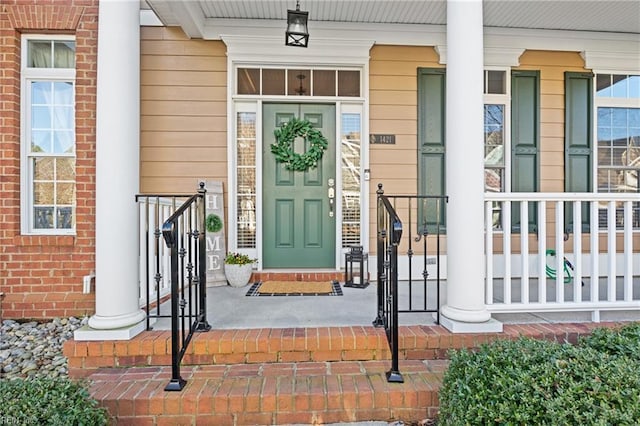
(496, 101)
(246, 176)
(350, 160)
(48, 135)
(617, 103)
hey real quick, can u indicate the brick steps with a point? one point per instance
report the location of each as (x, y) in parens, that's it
(282, 376)
(265, 394)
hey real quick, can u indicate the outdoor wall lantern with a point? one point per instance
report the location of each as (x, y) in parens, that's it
(297, 33)
(357, 278)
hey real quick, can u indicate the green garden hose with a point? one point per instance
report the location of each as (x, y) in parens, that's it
(568, 268)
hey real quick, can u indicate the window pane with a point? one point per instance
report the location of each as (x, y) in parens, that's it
(43, 168)
(43, 218)
(619, 87)
(494, 134)
(65, 193)
(496, 82)
(349, 83)
(248, 81)
(64, 218)
(65, 169)
(39, 54)
(64, 53)
(63, 142)
(618, 149)
(324, 83)
(603, 85)
(634, 86)
(41, 117)
(299, 82)
(40, 92)
(43, 193)
(350, 159)
(272, 82)
(63, 93)
(63, 118)
(246, 179)
(493, 179)
(40, 141)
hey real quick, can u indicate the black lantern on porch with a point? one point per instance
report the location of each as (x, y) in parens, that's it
(297, 33)
(356, 272)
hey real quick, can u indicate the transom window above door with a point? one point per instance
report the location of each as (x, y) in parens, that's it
(298, 82)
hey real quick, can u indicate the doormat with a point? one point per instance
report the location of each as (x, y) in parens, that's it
(295, 288)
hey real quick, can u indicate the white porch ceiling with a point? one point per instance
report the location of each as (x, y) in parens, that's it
(619, 16)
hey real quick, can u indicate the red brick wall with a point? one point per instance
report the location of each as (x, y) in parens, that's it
(42, 276)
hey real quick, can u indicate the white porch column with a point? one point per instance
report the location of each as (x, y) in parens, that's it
(465, 167)
(117, 173)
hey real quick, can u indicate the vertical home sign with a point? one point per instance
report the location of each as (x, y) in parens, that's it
(216, 248)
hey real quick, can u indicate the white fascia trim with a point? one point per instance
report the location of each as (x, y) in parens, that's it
(148, 18)
(503, 46)
(613, 51)
(190, 16)
(272, 50)
(411, 35)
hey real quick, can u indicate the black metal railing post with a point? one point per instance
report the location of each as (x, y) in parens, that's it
(202, 324)
(381, 239)
(394, 375)
(389, 238)
(184, 233)
(170, 233)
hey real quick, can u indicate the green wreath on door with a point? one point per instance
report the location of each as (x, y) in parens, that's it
(283, 148)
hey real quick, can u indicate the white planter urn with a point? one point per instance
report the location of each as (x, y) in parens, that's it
(238, 275)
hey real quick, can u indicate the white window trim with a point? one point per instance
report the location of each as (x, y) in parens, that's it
(606, 102)
(253, 103)
(27, 75)
(503, 99)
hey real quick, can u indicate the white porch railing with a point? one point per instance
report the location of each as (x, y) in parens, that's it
(155, 257)
(560, 268)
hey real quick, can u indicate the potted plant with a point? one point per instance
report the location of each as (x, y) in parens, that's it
(238, 268)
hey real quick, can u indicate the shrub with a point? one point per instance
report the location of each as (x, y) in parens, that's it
(46, 401)
(624, 341)
(528, 381)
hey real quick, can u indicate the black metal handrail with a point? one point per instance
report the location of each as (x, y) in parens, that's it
(184, 233)
(426, 217)
(389, 236)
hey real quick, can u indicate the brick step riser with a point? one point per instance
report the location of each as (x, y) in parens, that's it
(255, 346)
(277, 392)
(311, 393)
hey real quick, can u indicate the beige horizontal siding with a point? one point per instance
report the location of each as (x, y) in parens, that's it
(184, 108)
(168, 93)
(183, 111)
(153, 139)
(393, 85)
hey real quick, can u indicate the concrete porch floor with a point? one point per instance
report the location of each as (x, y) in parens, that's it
(230, 308)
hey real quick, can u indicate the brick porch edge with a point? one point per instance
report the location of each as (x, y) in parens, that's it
(324, 344)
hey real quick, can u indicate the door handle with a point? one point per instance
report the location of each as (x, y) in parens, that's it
(332, 195)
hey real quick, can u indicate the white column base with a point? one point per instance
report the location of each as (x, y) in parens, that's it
(100, 322)
(463, 321)
(127, 332)
(490, 326)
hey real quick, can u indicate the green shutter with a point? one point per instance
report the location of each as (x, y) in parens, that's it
(431, 142)
(578, 146)
(525, 146)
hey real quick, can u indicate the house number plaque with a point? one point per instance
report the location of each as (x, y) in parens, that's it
(382, 139)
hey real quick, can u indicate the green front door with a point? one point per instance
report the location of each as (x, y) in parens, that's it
(298, 213)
